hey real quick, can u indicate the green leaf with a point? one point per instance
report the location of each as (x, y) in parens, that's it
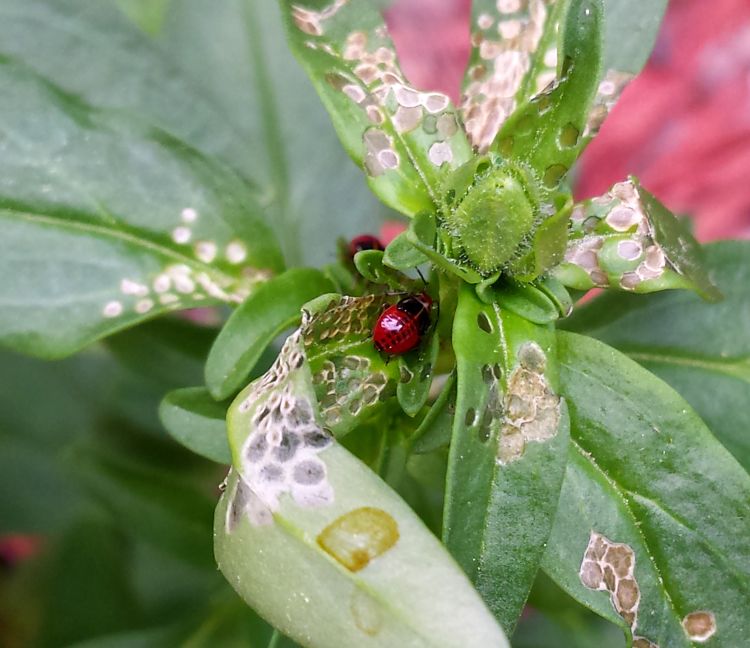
(507, 454)
(89, 590)
(167, 511)
(416, 369)
(268, 312)
(402, 255)
(648, 483)
(434, 431)
(314, 193)
(197, 421)
(700, 349)
(147, 14)
(550, 130)
(627, 240)
(164, 353)
(302, 514)
(630, 33)
(107, 223)
(514, 57)
(548, 244)
(93, 51)
(234, 101)
(629, 36)
(370, 264)
(525, 301)
(37, 494)
(404, 139)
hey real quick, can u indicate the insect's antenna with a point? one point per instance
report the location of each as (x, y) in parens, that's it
(421, 276)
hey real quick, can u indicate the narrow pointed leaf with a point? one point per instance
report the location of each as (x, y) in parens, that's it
(513, 57)
(106, 222)
(369, 264)
(300, 514)
(416, 371)
(652, 527)
(548, 132)
(197, 421)
(434, 430)
(508, 452)
(404, 139)
(402, 255)
(627, 240)
(265, 314)
(700, 349)
(526, 301)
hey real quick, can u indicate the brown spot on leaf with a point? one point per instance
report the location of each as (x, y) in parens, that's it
(591, 574)
(621, 560)
(627, 594)
(358, 537)
(700, 625)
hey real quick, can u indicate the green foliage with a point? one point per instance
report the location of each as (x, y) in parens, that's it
(160, 156)
(507, 453)
(658, 482)
(700, 349)
(170, 230)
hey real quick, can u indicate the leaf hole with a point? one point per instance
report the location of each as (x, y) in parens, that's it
(482, 167)
(569, 135)
(554, 174)
(483, 322)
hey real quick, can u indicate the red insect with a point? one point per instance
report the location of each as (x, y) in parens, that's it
(401, 326)
(364, 242)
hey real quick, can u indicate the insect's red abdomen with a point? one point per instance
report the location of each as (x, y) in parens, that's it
(400, 327)
(364, 242)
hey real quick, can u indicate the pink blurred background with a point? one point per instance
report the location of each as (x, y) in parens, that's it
(682, 127)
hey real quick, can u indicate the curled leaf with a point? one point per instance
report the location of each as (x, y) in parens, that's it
(627, 240)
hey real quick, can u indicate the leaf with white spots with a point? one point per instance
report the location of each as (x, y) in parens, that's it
(700, 349)
(404, 139)
(548, 132)
(627, 240)
(513, 57)
(106, 222)
(652, 527)
(508, 452)
(302, 515)
(312, 192)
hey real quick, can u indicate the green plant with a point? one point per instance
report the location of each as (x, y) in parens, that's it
(541, 455)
